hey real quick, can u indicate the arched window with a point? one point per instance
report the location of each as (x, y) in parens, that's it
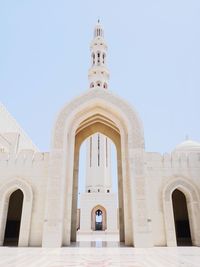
(104, 56)
(98, 57)
(93, 58)
(99, 84)
(91, 85)
(105, 86)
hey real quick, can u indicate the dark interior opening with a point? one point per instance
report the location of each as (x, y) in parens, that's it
(13, 221)
(181, 219)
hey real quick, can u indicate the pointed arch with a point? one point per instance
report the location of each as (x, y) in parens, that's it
(191, 193)
(5, 192)
(104, 217)
(102, 111)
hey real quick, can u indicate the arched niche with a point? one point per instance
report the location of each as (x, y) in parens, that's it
(96, 111)
(192, 199)
(5, 192)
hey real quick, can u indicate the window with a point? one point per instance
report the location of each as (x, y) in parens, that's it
(89, 191)
(98, 83)
(98, 190)
(108, 191)
(98, 57)
(93, 58)
(104, 56)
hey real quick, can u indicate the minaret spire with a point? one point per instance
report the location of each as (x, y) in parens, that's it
(98, 73)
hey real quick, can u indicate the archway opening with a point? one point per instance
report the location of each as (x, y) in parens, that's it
(82, 134)
(98, 220)
(13, 221)
(181, 219)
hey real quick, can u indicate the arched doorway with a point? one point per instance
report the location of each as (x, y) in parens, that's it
(181, 219)
(98, 218)
(97, 111)
(188, 198)
(82, 133)
(13, 222)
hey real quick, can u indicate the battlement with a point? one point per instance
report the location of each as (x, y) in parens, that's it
(24, 157)
(172, 160)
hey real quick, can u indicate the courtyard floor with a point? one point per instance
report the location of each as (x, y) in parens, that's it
(101, 251)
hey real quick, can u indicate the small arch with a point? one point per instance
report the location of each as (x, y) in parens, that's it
(98, 84)
(93, 58)
(105, 86)
(92, 85)
(192, 199)
(98, 218)
(104, 56)
(98, 57)
(6, 191)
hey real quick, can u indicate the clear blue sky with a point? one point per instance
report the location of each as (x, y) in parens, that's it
(154, 62)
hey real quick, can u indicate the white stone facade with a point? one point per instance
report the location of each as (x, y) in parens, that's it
(146, 181)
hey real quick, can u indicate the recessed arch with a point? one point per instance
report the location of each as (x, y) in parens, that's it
(114, 115)
(191, 194)
(94, 225)
(13, 218)
(5, 192)
(181, 218)
(100, 125)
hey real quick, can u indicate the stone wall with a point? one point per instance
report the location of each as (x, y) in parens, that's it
(32, 168)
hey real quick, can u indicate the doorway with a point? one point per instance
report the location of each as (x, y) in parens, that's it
(181, 219)
(98, 218)
(13, 221)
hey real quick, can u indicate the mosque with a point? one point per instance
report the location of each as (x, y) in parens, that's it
(158, 201)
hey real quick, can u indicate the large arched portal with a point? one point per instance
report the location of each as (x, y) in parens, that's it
(181, 219)
(83, 132)
(13, 222)
(96, 111)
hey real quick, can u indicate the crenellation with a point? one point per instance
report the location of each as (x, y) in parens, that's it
(173, 160)
(24, 157)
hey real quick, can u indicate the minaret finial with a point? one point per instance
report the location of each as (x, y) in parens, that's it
(98, 73)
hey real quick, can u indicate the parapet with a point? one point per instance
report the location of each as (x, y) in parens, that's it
(26, 157)
(171, 160)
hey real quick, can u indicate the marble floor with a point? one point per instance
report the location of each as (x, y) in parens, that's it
(99, 255)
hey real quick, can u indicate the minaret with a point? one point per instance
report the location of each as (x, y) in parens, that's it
(98, 169)
(98, 196)
(98, 74)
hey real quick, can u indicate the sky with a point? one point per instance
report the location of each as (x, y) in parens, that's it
(153, 58)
